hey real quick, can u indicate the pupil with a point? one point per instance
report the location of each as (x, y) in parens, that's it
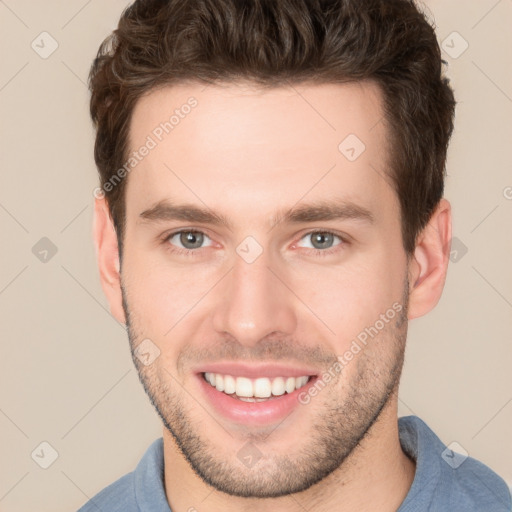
(191, 237)
(322, 238)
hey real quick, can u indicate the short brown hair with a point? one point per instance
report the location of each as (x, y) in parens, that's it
(272, 43)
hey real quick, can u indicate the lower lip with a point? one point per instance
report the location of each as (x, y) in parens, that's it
(253, 413)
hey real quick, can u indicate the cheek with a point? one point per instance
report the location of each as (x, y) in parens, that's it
(351, 297)
(161, 295)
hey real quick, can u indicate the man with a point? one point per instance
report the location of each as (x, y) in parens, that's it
(270, 216)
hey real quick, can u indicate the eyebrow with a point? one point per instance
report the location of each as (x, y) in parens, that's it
(317, 211)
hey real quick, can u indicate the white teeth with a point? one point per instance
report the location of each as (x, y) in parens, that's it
(289, 385)
(219, 382)
(251, 390)
(278, 386)
(301, 381)
(229, 385)
(262, 388)
(243, 387)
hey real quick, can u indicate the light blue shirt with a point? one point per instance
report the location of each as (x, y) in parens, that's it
(444, 480)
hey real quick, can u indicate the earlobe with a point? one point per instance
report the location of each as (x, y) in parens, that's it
(429, 265)
(107, 255)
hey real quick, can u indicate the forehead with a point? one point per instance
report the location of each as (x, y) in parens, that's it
(237, 145)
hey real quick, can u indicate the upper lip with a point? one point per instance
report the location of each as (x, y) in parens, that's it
(254, 371)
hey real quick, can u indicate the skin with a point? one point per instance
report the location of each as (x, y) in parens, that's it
(278, 149)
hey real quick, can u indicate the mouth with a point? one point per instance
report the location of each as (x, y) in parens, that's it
(260, 389)
(256, 395)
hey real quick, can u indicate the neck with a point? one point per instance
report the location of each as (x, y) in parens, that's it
(376, 476)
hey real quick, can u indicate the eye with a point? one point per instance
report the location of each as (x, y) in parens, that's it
(323, 241)
(187, 240)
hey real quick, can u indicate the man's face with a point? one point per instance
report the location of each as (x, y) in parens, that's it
(263, 297)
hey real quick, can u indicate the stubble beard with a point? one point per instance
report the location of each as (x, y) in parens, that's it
(339, 427)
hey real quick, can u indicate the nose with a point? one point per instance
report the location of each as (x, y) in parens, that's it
(255, 302)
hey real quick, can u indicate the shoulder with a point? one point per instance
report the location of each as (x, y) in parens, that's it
(142, 489)
(446, 477)
(117, 497)
(475, 486)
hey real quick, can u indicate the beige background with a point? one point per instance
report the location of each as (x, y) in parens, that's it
(66, 376)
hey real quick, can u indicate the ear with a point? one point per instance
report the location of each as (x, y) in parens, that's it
(107, 254)
(429, 264)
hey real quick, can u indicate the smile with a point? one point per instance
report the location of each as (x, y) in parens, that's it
(254, 394)
(255, 390)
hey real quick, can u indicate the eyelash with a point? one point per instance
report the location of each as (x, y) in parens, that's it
(193, 252)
